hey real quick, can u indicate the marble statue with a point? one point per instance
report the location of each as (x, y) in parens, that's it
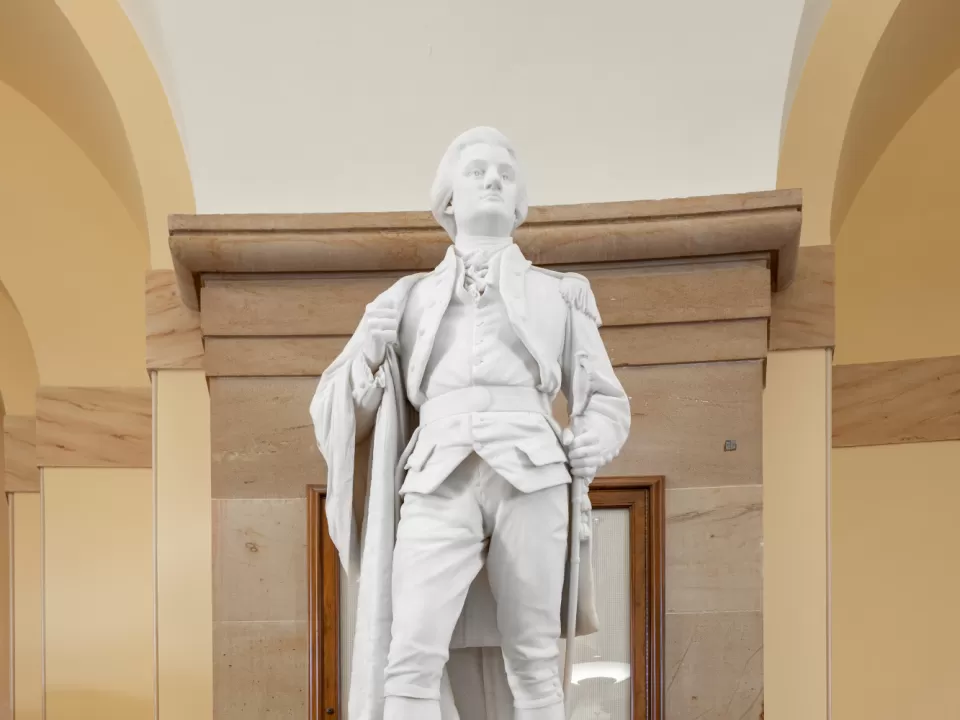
(461, 535)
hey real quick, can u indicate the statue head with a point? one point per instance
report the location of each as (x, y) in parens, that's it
(479, 189)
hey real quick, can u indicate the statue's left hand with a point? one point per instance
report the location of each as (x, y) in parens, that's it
(585, 453)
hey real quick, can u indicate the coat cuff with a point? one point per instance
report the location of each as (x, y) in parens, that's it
(363, 380)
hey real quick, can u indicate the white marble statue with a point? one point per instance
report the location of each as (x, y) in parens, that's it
(464, 556)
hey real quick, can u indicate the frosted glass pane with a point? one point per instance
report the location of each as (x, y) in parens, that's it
(602, 687)
(601, 670)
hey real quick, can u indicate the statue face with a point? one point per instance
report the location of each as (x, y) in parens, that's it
(485, 191)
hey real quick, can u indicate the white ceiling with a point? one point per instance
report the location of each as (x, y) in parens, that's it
(312, 105)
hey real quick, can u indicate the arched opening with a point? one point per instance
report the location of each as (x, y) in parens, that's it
(71, 256)
(916, 53)
(92, 165)
(18, 367)
(43, 59)
(872, 140)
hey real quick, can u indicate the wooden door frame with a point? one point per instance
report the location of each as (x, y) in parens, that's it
(323, 610)
(642, 497)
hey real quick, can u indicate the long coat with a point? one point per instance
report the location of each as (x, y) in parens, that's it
(555, 317)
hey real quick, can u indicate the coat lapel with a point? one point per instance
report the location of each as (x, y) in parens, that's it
(438, 294)
(513, 286)
(512, 281)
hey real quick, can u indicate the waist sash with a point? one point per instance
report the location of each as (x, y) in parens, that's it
(485, 398)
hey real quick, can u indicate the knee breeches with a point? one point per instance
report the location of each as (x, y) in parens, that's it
(477, 518)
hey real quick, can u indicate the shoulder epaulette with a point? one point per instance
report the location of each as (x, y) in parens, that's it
(575, 289)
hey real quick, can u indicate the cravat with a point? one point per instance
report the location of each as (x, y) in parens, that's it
(475, 253)
(476, 272)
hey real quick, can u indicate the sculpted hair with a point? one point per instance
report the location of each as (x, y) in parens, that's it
(441, 193)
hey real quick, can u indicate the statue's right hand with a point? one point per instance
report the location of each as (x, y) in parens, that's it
(382, 325)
